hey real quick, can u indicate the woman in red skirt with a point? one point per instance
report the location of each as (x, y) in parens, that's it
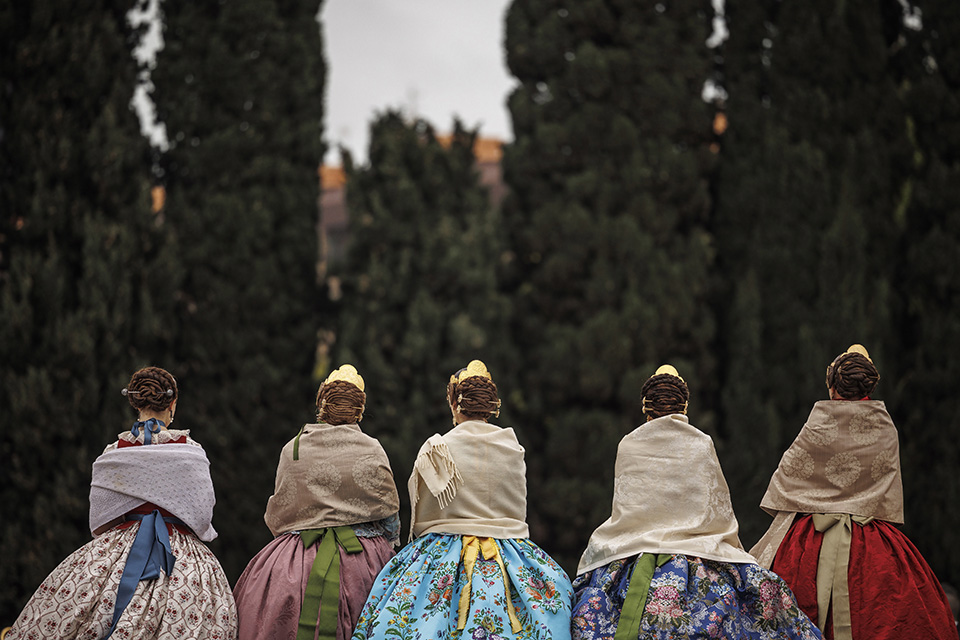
(835, 498)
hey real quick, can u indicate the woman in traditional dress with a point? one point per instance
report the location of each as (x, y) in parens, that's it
(668, 562)
(334, 515)
(470, 570)
(146, 573)
(835, 498)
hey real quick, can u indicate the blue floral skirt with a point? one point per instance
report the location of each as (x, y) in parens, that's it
(417, 594)
(692, 598)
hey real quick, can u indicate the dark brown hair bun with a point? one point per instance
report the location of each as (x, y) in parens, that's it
(151, 388)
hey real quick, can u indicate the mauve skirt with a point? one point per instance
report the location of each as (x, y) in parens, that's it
(270, 591)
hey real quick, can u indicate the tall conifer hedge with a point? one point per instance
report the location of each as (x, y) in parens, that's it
(607, 219)
(420, 294)
(239, 86)
(84, 283)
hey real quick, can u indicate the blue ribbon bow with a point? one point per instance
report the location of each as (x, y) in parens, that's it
(149, 554)
(147, 430)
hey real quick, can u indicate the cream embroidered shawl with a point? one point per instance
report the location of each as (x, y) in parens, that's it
(470, 481)
(669, 496)
(846, 459)
(342, 477)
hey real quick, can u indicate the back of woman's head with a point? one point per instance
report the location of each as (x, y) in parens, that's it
(473, 393)
(151, 389)
(664, 393)
(852, 375)
(341, 399)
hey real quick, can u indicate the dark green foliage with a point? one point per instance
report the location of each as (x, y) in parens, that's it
(239, 86)
(609, 177)
(927, 405)
(419, 284)
(805, 219)
(829, 216)
(83, 282)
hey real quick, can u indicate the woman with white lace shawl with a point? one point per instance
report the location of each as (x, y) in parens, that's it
(334, 514)
(470, 570)
(668, 563)
(146, 573)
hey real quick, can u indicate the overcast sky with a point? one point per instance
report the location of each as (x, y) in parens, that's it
(431, 58)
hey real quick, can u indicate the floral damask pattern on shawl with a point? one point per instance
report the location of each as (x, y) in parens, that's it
(339, 477)
(691, 598)
(416, 596)
(846, 459)
(669, 497)
(77, 598)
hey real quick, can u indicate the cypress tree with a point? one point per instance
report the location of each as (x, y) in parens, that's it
(82, 275)
(805, 218)
(926, 403)
(609, 180)
(419, 282)
(239, 86)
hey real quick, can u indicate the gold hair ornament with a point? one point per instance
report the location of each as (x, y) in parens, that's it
(685, 405)
(668, 369)
(347, 373)
(474, 369)
(858, 348)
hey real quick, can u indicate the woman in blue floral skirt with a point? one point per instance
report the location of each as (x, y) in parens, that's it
(668, 563)
(470, 570)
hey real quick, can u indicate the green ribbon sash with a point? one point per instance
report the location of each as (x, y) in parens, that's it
(833, 592)
(296, 446)
(628, 628)
(324, 579)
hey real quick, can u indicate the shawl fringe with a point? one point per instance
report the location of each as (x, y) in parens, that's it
(436, 466)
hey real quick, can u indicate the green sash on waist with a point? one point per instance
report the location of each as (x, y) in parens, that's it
(324, 578)
(628, 628)
(833, 592)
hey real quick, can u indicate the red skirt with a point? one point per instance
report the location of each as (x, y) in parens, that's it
(893, 592)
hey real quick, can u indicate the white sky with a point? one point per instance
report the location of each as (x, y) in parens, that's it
(431, 58)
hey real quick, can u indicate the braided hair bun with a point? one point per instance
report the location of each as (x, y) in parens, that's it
(852, 375)
(151, 389)
(340, 402)
(473, 393)
(664, 393)
(341, 399)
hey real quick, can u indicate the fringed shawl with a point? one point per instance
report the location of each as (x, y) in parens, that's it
(470, 481)
(845, 460)
(669, 496)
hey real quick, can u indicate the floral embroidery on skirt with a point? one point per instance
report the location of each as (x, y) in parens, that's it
(417, 595)
(77, 599)
(692, 598)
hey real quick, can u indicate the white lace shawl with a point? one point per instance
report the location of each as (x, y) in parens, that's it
(175, 477)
